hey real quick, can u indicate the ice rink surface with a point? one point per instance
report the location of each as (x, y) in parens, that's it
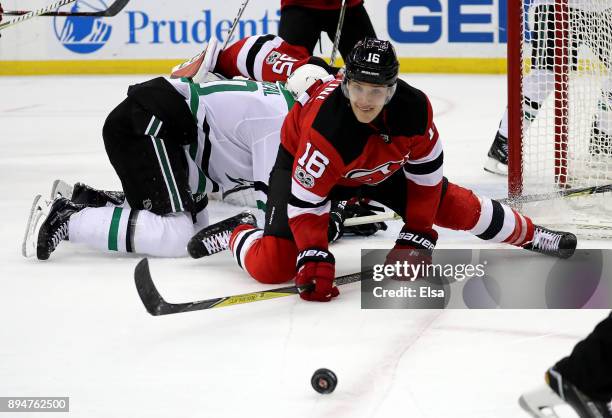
(74, 325)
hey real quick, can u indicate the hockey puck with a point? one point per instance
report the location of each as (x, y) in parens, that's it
(324, 381)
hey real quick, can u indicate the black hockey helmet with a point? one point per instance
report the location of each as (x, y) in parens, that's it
(372, 61)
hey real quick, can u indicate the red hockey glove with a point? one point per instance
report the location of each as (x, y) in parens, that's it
(411, 248)
(318, 267)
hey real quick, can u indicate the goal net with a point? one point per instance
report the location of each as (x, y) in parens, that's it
(560, 109)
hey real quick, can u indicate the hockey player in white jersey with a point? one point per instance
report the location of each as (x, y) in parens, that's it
(205, 139)
(595, 16)
(219, 136)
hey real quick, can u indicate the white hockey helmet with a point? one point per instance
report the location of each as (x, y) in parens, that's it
(303, 78)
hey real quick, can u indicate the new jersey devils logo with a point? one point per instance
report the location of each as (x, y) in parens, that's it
(374, 175)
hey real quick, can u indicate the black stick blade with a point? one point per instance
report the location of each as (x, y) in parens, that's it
(151, 299)
(156, 305)
(115, 8)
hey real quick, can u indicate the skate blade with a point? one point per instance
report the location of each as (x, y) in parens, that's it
(493, 166)
(539, 403)
(40, 208)
(61, 189)
(189, 68)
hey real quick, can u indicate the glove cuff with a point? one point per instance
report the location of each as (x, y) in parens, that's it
(317, 255)
(415, 240)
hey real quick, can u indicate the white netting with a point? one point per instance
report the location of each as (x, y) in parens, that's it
(567, 110)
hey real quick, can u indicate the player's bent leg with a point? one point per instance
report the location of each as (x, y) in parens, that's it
(127, 230)
(300, 26)
(148, 160)
(600, 142)
(268, 259)
(490, 220)
(460, 209)
(360, 26)
(537, 86)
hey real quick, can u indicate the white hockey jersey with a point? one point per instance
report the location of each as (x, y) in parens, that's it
(239, 123)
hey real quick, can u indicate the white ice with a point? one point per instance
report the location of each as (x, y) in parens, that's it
(74, 325)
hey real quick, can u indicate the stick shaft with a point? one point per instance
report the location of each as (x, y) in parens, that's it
(332, 60)
(583, 191)
(112, 10)
(235, 23)
(34, 13)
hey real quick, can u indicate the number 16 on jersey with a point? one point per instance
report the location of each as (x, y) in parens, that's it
(311, 165)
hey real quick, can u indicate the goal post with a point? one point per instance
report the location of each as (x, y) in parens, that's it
(560, 108)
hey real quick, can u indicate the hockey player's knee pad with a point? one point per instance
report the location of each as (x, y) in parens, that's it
(268, 259)
(165, 236)
(459, 209)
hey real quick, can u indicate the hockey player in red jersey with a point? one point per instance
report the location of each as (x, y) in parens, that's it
(370, 135)
(459, 208)
(303, 21)
(260, 58)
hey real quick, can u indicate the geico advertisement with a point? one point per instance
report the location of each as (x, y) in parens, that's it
(176, 29)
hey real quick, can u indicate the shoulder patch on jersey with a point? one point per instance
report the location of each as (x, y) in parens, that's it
(273, 57)
(336, 122)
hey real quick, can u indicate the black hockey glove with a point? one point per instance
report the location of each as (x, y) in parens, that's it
(335, 229)
(363, 208)
(342, 210)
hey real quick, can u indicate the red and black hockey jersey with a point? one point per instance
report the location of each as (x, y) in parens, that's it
(320, 4)
(264, 58)
(330, 147)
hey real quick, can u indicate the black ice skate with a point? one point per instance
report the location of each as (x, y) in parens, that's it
(86, 195)
(54, 227)
(584, 406)
(215, 238)
(556, 243)
(497, 158)
(600, 143)
(540, 403)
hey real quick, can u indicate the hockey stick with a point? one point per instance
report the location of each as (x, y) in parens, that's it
(332, 60)
(582, 191)
(197, 68)
(34, 13)
(235, 23)
(579, 192)
(156, 305)
(370, 219)
(112, 10)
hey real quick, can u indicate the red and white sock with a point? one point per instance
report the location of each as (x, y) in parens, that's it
(241, 240)
(489, 220)
(500, 223)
